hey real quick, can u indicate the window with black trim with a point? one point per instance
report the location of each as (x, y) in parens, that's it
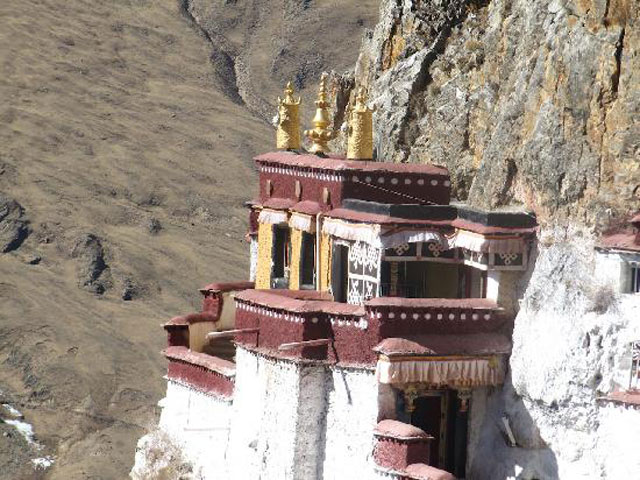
(308, 261)
(281, 257)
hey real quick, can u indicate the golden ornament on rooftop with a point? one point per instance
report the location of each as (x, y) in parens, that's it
(321, 134)
(360, 129)
(288, 121)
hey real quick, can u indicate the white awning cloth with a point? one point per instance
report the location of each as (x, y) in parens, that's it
(373, 234)
(454, 372)
(376, 236)
(301, 221)
(477, 242)
(273, 217)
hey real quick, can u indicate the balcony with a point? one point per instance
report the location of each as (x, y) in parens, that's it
(306, 325)
(204, 372)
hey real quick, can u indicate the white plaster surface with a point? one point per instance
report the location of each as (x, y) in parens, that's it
(199, 423)
(287, 421)
(193, 429)
(278, 419)
(352, 413)
(264, 420)
(571, 346)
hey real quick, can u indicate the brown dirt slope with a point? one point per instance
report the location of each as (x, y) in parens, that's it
(123, 140)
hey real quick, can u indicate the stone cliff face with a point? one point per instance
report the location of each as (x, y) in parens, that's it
(531, 102)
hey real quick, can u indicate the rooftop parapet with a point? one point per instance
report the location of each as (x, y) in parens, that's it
(329, 180)
(208, 374)
(352, 331)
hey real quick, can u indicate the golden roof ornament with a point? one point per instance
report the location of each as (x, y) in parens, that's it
(288, 121)
(360, 129)
(321, 134)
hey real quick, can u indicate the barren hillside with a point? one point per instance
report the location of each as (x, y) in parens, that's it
(126, 134)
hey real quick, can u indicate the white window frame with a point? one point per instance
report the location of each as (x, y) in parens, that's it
(633, 275)
(634, 375)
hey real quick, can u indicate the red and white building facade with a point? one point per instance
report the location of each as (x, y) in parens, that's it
(377, 319)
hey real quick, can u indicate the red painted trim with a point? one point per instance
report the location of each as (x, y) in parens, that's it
(398, 454)
(355, 330)
(201, 371)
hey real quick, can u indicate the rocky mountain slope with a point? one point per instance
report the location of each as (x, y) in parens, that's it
(126, 137)
(528, 102)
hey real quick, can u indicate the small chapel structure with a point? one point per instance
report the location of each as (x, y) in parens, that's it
(375, 323)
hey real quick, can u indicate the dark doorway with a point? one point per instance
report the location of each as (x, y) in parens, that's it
(419, 279)
(444, 416)
(339, 272)
(457, 424)
(429, 415)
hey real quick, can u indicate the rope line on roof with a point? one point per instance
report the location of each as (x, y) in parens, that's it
(421, 200)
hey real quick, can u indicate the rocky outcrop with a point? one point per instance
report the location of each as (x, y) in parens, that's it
(14, 227)
(533, 102)
(92, 270)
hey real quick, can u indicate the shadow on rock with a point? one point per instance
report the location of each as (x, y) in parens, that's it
(14, 227)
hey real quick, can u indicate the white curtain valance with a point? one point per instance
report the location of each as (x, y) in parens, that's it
(301, 221)
(479, 243)
(356, 232)
(372, 234)
(272, 217)
(474, 372)
(412, 236)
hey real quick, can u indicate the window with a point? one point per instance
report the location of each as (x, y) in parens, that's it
(281, 256)
(339, 272)
(417, 279)
(634, 277)
(308, 261)
(634, 382)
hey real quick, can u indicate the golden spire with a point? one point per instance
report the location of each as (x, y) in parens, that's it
(360, 131)
(288, 122)
(321, 134)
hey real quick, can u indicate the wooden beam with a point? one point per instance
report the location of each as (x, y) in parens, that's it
(306, 343)
(230, 333)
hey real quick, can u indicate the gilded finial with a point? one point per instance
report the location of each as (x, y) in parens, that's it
(360, 130)
(287, 121)
(321, 134)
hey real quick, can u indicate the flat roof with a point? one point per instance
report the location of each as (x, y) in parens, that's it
(474, 344)
(340, 163)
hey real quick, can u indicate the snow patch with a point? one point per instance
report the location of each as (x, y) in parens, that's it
(42, 463)
(25, 429)
(14, 412)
